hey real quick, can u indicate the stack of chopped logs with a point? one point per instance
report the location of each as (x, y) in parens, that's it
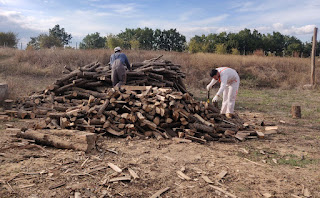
(83, 100)
(143, 111)
(95, 77)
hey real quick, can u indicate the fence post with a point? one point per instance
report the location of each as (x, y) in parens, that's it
(314, 43)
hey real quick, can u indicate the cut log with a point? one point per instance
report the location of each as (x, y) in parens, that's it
(65, 139)
(203, 120)
(114, 132)
(202, 127)
(195, 139)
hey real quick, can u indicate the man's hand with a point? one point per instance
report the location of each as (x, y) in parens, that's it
(208, 87)
(215, 99)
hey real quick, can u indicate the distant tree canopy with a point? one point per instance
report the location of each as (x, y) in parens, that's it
(148, 39)
(247, 42)
(93, 41)
(244, 42)
(8, 39)
(57, 37)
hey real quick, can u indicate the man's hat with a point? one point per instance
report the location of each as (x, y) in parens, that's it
(116, 49)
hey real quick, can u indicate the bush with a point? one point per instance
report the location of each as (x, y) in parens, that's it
(221, 49)
(8, 39)
(235, 51)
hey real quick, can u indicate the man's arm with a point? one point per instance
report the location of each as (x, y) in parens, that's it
(126, 61)
(213, 81)
(222, 87)
(111, 60)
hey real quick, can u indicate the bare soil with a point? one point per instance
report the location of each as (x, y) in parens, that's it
(281, 165)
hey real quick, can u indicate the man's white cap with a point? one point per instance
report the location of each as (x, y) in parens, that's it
(116, 49)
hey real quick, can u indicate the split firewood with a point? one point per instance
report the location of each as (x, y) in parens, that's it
(183, 176)
(160, 192)
(114, 167)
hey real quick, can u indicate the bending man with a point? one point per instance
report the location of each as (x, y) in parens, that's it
(229, 86)
(119, 63)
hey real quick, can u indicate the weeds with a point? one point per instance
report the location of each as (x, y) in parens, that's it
(294, 160)
(268, 155)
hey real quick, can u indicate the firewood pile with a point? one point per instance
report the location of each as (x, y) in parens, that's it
(95, 78)
(142, 111)
(82, 100)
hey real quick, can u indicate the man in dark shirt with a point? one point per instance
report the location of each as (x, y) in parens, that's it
(119, 63)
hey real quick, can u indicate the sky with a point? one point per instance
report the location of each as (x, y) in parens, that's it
(29, 18)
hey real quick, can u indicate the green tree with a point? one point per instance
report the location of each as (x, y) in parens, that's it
(274, 43)
(113, 41)
(200, 44)
(194, 46)
(135, 44)
(93, 41)
(8, 39)
(60, 34)
(291, 45)
(146, 38)
(44, 41)
(169, 40)
(56, 37)
(127, 36)
(307, 48)
(48, 41)
(232, 42)
(34, 43)
(235, 51)
(221, 48)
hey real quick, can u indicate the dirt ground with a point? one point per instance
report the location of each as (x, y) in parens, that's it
(280, 165)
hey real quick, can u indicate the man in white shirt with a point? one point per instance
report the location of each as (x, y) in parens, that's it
(229, 85)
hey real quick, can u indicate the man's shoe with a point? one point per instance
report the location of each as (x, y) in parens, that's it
(229, 115)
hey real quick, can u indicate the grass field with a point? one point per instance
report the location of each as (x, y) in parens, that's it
(268, 84)
(285, 164)
(18, 67)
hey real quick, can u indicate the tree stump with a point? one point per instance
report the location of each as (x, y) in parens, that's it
(3, 92)
(7, 105)
(296, 111)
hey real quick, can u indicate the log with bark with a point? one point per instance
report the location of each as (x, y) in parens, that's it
(65, 139)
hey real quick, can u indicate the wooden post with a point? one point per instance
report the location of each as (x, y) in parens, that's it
(314, 43)
(3, 92)
(296, 111)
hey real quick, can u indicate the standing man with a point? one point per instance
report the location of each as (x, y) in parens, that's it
(229, 85)
(119, 63)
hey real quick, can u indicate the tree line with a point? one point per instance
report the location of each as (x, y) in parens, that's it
(247, 42)
(145, 39)
(244, 42)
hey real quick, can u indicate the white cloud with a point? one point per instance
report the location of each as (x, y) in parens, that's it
(123, 9)
(250, 6)
(190, 13)
(277, 26)
(30, 22)
(211, 20)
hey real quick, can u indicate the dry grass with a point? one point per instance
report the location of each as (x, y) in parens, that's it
(23, 70)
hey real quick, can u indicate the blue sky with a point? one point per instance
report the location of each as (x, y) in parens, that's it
(81, 17)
